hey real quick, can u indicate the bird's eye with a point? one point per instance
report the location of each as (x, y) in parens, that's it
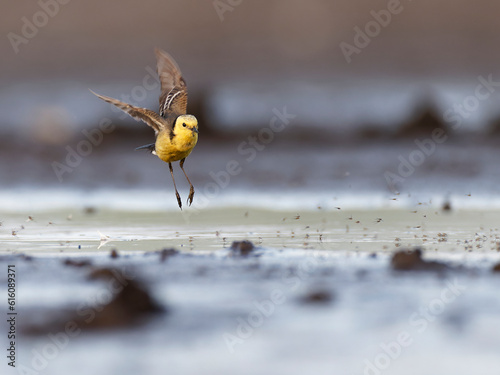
(184, 125)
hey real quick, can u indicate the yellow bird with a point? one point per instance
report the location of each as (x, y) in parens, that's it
(176, 132)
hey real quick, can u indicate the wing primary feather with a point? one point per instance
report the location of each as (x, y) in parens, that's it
(145, 115)
(173, 98)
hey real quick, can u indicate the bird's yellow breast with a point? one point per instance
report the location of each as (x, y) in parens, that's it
(176, 148)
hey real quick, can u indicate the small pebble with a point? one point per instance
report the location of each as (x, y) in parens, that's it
(318, 297)
(242, 248)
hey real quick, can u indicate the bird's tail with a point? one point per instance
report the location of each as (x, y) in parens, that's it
(150, 147)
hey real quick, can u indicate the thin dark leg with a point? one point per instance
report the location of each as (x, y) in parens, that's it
(175, 187)
(191, 187)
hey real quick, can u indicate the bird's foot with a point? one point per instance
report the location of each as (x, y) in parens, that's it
(191, 195)
(179, 202)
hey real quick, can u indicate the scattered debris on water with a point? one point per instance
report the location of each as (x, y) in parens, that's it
(103, 240)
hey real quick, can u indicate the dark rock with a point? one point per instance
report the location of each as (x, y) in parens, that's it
(167, 253)
(131, 304)
(411, 260)
(318, 297)
(105, 274)
(77, 263)
(242, 248)
(128, 307)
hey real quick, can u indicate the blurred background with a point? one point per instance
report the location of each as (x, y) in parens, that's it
(357, 113)
(355, 127)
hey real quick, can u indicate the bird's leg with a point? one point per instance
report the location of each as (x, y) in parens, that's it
(175, 187)
(191, 187)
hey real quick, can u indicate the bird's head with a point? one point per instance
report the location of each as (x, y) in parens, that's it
(186, 125)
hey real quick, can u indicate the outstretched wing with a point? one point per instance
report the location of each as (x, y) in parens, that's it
(174, 94)
(149, 117)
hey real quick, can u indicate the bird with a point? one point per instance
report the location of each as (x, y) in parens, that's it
(176, 131)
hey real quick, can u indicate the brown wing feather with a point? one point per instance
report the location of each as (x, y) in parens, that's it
(174, 95)
(149, 117)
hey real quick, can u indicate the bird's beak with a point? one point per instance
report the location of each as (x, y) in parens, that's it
(195, 130)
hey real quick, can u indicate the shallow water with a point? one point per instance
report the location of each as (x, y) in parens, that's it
(208, 293)
(341, 230)
(316, 231)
